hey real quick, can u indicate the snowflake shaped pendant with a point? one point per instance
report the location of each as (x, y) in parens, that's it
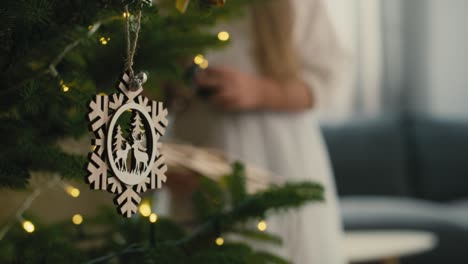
(126, 159)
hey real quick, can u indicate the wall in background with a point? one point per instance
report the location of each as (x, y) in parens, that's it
(408, 57)
(435, 61)
(416, 49)
(392, 63)
(448, 71)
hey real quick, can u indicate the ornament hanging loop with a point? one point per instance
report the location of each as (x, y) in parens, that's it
(136, 81)
(132, 44)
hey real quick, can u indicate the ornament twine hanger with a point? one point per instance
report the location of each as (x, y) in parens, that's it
(127, 162)
(139, 79)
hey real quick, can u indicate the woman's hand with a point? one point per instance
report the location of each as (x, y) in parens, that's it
(233, 90)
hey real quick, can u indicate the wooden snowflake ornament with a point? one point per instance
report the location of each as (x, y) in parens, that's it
(126, 159)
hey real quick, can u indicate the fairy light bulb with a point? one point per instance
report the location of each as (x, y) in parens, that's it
(75, 192)
(77, 219)
(153, 218)
(262, 225)
(28, 226)
(126, 14)
(145, 209)
(104, 40)
(199, 59)
(204, 64)
(72, 191)
(219, 241)
(65, 88)
(223, 36)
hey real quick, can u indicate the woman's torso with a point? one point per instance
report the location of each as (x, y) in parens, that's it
(266, 139)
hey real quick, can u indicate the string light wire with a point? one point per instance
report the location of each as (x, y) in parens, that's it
(27, 204)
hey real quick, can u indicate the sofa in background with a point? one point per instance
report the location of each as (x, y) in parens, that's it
(405, 173)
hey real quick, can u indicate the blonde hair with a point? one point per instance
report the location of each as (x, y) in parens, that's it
(274, 50)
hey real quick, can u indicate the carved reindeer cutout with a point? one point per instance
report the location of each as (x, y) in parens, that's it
(139, 154)
(121, 159)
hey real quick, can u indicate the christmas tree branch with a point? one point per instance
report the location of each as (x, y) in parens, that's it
(51, 69)
(256, 206)
(133, 248)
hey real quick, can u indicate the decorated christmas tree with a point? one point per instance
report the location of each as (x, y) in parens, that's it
(55, 55)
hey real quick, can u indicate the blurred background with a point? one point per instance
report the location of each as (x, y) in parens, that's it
(408, 58)
(398, 131)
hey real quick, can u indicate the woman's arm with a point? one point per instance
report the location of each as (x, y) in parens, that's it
(237, 91)
(288, 96)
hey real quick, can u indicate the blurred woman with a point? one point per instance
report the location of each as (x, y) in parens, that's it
(283, 57)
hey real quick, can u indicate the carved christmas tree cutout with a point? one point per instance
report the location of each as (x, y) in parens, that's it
(126, 163)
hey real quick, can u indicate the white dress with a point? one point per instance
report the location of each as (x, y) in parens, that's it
(288, 144)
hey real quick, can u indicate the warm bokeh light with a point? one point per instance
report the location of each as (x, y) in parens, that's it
(126, 14)
(223, 36)
(153, 218)
(65, 88)
(104, 40)
(72, 191)
(219, 241)
(199, 59)
(77, 219)
(75, 193)
(145, 209)
(204, 64)
(262, 225)
(28, 226)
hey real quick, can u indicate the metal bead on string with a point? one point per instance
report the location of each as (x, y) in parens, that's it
(137, 81)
